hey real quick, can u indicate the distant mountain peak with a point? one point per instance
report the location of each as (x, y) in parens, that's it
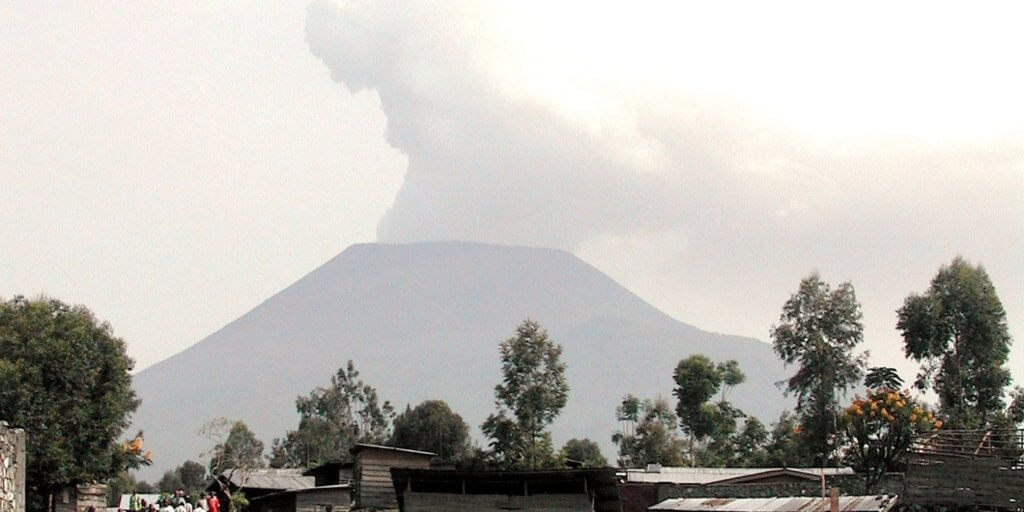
(424, 320)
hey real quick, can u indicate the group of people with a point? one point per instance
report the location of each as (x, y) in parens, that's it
(179, 502)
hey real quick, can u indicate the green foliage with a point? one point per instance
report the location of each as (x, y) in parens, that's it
(170, 482)
(125, 483)
(236, 448)
(532, 393)
(585, 451)
(818, 331)
(190, 476)
(651, 439)
(432, 426)
(879, 429)
(698, 380)
(882, 377)
(332, 420)
(65, 379)
(957, 329)
(784, 448)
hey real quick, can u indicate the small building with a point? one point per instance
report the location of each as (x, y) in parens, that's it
(371, 473)
(569, 490)
(331, 473)
(655, 474)
(256, 483)
(326, 498)
(78, 498)
(878, 503)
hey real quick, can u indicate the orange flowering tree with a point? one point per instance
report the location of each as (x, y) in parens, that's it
(879, 428)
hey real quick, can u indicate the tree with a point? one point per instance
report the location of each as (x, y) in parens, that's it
(190, 476)
(65, 379)
(585, 451)
(957, 329)
(751, 443)
(653, 439)
(432, 426)
(698, 380)
(818, 331)
(532, 393)
(235, 453)
(332, 420)
(880, 428)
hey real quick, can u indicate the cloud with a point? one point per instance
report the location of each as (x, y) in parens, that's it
(725, 158)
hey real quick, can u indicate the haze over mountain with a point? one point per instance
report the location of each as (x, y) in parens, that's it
(424, 321)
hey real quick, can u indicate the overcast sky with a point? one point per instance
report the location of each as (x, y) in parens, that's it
(171, 165)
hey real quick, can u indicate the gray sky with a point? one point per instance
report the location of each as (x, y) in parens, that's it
(172, 165)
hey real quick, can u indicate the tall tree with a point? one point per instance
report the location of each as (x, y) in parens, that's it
(235, 453)
(532, 393)
(432, 426)
(698, 380)
(585, 451)
(652, 439)
(957, 329)
(332, 420)
(819, 330)
(65, 379)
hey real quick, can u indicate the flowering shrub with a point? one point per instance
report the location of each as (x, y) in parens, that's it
(879, 428)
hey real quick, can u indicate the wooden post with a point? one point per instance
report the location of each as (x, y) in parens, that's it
(833, 498)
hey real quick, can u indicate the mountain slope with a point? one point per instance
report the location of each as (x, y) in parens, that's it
(424, 321)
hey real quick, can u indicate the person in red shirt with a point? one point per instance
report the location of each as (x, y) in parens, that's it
(213, 503)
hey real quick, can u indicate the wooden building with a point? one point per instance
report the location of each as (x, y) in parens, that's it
(331, 473)
(570, 490)
(327, 498)
(260, 482)
(371, 473)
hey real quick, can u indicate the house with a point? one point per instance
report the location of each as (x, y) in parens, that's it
(331, 473)
(78, 498)
(569, 490)
(641, 488)
(256, 483)
(371, 473)
(654, 474)
(364, 483)
(325, 498)
(878, 503)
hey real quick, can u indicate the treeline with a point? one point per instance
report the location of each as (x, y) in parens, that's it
(59, 365)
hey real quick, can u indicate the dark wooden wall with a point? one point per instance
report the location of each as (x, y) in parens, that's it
(950, 480)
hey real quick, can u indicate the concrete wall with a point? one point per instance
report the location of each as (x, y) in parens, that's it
(12, 469)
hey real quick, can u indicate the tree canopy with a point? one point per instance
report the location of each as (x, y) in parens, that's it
(432, 426)
(65, 378)
(648, 435)
(532, 393)
(958, 330)
(698, 380)
(819, 330)
(584, 451)
(332, 420)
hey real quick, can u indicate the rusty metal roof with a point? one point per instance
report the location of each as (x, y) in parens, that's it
(881, 503)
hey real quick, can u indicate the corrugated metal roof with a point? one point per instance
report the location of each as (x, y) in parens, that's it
(881, 503)
(279, 479)
(703, 476)
(124, 502)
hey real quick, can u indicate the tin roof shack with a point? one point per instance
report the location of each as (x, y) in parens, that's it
(642, 488)
(327, 498)
(372, 486)
(879, 503)
(255, 483)
(331, 473)
(570, 490)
